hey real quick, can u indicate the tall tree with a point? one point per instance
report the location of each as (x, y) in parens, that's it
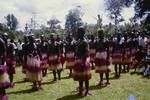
(12, 22)
(3, 28)
(114, 7)
(73, 21)
(141, 7)
(53, 24)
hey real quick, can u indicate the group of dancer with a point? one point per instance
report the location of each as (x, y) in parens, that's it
(80, 55)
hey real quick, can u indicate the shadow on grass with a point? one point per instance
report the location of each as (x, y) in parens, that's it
(95, 87)
(137, 73)
(114, 78)
(112, 73)
(70, 97)
(22, 91)
(66, 77)
(145, 77)
(19, 82)
(49, 82)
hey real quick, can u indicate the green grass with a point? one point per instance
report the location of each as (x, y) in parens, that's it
(65, 89)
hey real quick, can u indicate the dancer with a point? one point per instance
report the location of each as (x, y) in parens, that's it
(102, 59)
(44, 56)
(92, 50)
(70, 54)
(34, 69)
(4, 78)
(24, 57)
(81, 70)
(117, 56)
(54, 57)
(10, 61)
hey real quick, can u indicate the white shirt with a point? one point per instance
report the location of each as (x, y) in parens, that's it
(19, 46)
(141, 42)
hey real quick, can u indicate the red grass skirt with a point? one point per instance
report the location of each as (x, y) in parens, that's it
(70, 60)
(4, 78)
(126, 60)
(34, 69)
(102, 63)
(102, 66)
(110, 51)
(133, 52)
(3, 97)
(92, 53)
(24, 66)
(44, 61)
(62, 59)
(11, 64)
(81, 70)
(54, 63)
(117, 58)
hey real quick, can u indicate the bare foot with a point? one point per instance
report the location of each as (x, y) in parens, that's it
(88, 93)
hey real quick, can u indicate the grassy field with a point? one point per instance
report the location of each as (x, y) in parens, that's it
(65, 89)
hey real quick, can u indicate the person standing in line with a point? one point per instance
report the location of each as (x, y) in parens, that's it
(61, 49)
(82, 70)
(34, 69)
(70, 54)
(117, 55)
(4, 78)
(44, 56)
(11, 61)
(102, 58)
(92, 50)
(54, 57)
(24, 56)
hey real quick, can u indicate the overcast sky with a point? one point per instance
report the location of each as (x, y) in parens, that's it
(43, 10)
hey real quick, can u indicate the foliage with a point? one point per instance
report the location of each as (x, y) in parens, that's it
(12, 22)
(141, 7)
(73, 21)
(53, 24)
(114, 7)
(91, 29)
(3, 28)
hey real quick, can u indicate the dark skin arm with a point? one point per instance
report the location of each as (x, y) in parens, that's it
(3, 51)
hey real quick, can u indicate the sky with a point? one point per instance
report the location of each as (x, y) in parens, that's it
(43, 10)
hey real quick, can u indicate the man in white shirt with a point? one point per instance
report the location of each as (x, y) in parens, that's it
(19, 46)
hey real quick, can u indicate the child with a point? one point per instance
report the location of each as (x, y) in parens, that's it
(44, 55)
(81, 70)
(10, 61)
(117, 55)
(102, 59)
(54, 58)
(92, 51)
(70, 54)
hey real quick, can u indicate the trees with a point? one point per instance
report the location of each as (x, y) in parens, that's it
(12, 22)
(53, 24)
(114, 7)
(73, 21)
(142, 9)
(3, 28)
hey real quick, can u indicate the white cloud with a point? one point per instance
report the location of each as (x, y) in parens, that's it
(45, 9)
